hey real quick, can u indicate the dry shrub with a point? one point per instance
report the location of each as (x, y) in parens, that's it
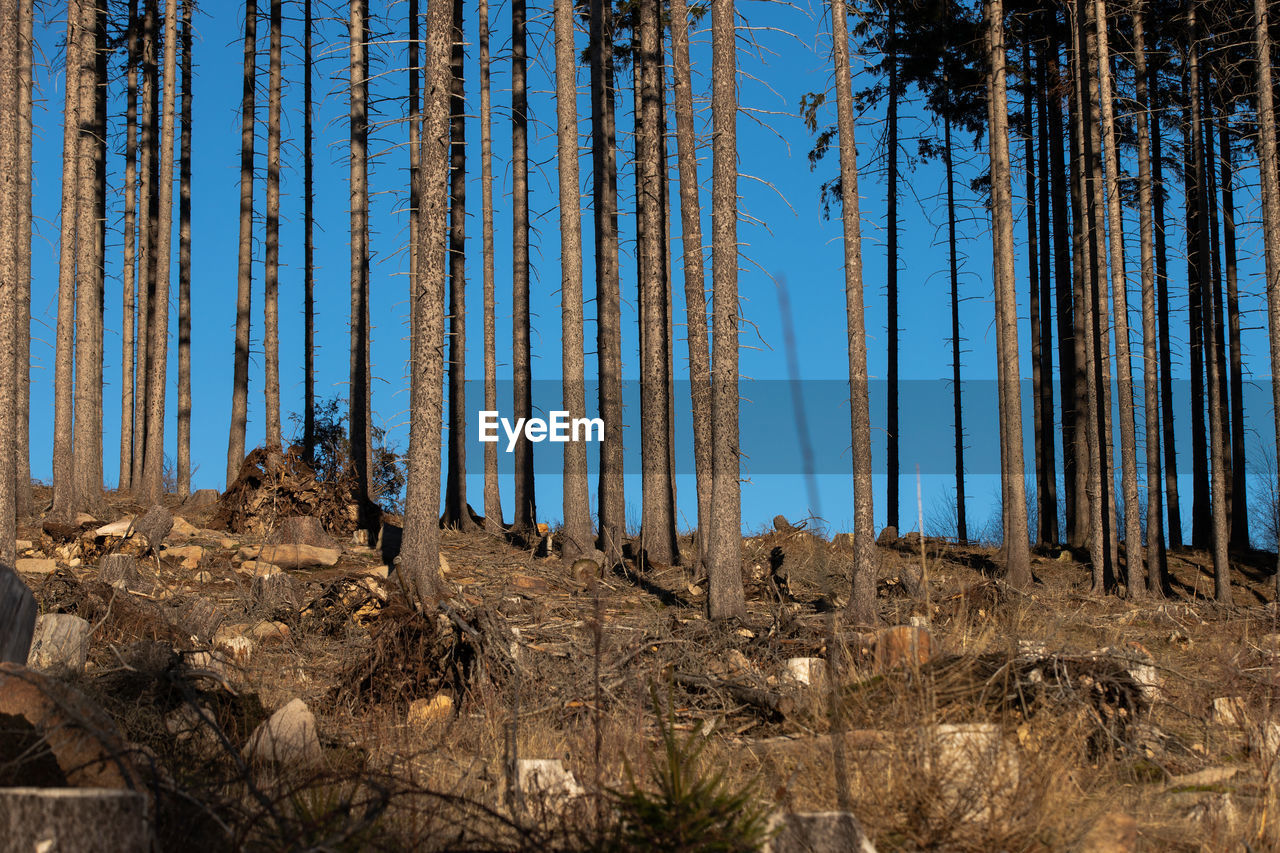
(275, 485)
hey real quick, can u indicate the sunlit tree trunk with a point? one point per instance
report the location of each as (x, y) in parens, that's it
(358, 378)
(244, 263)
(12, 186)
(64, 339)
(861, 609)
(492, 495)
(271, 266)
(726, 598)
(22, 312)
(308, 249)
(521, 355)
(892, 463)
(420, 555)
(149, 167)
(184, 264)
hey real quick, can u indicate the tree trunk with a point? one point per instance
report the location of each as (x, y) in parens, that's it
(1239, 487)
(1197, 277)
(1016, 549)
(271, 266)
(308, 249)
(455, 490)
(861, 609)
(1041, 435)
(1048, 508)
(244, 263)
(420, 556)
(86, 446)
(658, 514)
(64, 340)
(358, 115)
(153, 465)
(726, 598)
(1120, 299)
(12, 187)
(892, 462)
(521, 355)
(695, 289)
(1154, 580)
(953, 264)
(1270, 183)
(611, 500)
(492, 494)
(26, 39)
(184, 264)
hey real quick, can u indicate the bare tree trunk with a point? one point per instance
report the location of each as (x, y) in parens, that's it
(1270, 183)
(1041, 435)
(64, 340)
(147, 211)
(23, 498)
(153, 466)
(578, 537)
(695, 288)
(658, 513)
(244, 281)
(271, 247)
(184, 264)
(1154, 581)
(129, 265)
(1162, 316)
(86, 447)
(12, 186)
(308, 249)
(521, 355)
(953, 264)
(1239, 487)
(1197, 275)
(420, 556)
(455, 490)
(611, 499)
(358, 388)
(726, 598)
(492, 494)
(1016, 549)
(892, 463)
(861, 609)
(1120, 299)
(1048, 508)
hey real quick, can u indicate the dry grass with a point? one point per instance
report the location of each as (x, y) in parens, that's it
(539, 668)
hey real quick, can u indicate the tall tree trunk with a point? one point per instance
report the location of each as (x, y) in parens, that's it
(1048, 507)
(1073, 441)
(420, 556)
(1270, 184)
(861, 609)
(455, 490)
(726, 598)
(148, 210)
(86, 447)
(244, 263)
(892, 462)
(611, 500)
(1120, 299)
(153, 465)
(578, 537)
(492, 494)
(1240, 504)
(1197, 277)
(184, 264)
(1017, 555)
(12, 186)
(358, 115)
(521, 355)
(308, 250)
(64, 339)
(1154, 580)
(658, 512)
(271, 265)
(953, 264)
(1041, 435)
(1173, 509)
(695, 289)
(128, 446)
(26, 39)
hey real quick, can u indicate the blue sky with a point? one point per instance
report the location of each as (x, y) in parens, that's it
(783, 53)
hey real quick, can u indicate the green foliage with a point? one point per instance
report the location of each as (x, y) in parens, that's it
(332, 458)
(688, 808)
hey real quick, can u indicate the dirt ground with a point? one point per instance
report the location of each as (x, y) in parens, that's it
(1099, 712)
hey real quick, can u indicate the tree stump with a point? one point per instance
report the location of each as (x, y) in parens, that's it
(17, 617)
(60, 643)
(91, 820)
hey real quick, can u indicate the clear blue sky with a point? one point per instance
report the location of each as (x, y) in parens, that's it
(783, 53)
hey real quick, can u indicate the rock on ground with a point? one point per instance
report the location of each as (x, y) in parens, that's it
(288, 737)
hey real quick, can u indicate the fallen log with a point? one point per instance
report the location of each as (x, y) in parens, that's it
(772, 704)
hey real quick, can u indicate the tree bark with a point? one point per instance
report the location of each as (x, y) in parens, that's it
(726, 598)
(308, 249)
(184, 264)
(892, 462)
(861, 609)
(953, 265)
(521, 355)
(695, 289)
(1017, 556)
(492, 494)
(1048, 507)
(26, 39)
(1041, 436)
(244, 263)
(64, 339)
(358, 378)
(420, 556)
(1239, 486)
(12, 187)
(271, 265)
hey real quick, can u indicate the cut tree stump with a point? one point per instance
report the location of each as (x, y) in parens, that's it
(17, 617)
(60, 643)
(86, 820)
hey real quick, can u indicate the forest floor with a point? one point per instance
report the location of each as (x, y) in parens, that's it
(975, 717)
